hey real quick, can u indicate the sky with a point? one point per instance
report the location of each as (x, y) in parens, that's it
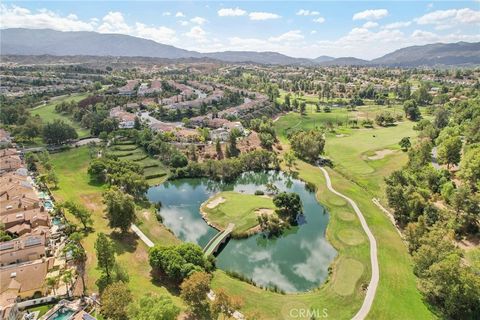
(362, 29)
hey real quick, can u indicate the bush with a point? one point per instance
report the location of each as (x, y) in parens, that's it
(259, 193)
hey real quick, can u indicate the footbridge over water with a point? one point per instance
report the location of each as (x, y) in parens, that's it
(220, 238)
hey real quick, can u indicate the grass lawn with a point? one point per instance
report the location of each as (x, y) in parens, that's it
(238, 208)
(74, 184)
(42, 309)
(48, 114)
(361, 178)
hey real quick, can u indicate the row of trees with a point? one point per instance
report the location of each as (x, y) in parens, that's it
(435, 210)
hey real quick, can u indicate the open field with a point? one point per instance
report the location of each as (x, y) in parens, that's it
(237, 208)
(74, 184)
(48, 114)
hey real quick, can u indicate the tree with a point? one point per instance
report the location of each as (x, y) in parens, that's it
(441, 118)
(384, 119)
(232, 150)
(137, 124)
(470, 167)
(78, 254)
(218, 149)
(405, 143)
(194, 290)
(52, 178)
(105, 251)
(411, 110)
(225, 304)
(58, 132)
(67, 277)
(289, 205)
(178, 262)
(80, 212)
(303, 107)
(270, 224)
(153, 307)
(120, 209)
(308, 145)
(52, 282)
(115, 301)
(449, 151)
(289, 159)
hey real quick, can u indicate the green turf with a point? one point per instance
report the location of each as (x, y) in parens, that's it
(74, 184)
(361, 179)
(237, 208)
(47, 113)
(42, 309)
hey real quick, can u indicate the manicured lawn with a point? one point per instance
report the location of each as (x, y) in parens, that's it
(48, 114)
(74, 184)
(361, 178)
(42, 309)
(238, 208)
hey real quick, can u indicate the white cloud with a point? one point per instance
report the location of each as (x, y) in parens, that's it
(313, 32)
(166, 13)
(451, 16)
(398, 25)
(319, 20)
(18, 17)
(290, 36)
(159, 34)
(184, 23)
(197, 33)
(180, 14)
(303, 12)
(263, 16)
(369, 25)
(114, 22)
(231, 12)
(371, 14)
(198, 20)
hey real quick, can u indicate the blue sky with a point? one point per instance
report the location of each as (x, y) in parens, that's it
(364, 29)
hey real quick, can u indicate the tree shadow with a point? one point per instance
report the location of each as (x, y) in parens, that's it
(124, 242)
(159, 279)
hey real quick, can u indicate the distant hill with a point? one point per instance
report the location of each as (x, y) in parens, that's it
(459, 53)
(345, 61)
(323, 59)
(46, 41)
(19, 41)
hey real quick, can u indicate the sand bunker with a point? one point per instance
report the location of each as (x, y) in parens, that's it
(380, 154)
(215, 202)
(264, 211)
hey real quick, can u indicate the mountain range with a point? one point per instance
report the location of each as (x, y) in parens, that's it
(21, 41)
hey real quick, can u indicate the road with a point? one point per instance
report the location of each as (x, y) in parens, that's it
(372, 287)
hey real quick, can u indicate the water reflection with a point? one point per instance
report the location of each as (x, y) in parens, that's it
(298, 260)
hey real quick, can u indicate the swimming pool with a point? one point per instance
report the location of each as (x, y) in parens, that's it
(48, 204)
(63, 313)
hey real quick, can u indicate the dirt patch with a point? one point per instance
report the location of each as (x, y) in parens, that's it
(264, 211)
(380, 154)
(340, 135)
(215, 202)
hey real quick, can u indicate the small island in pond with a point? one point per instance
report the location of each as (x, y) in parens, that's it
(250, 213)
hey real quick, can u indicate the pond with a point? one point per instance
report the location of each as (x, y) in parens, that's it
(296, 261)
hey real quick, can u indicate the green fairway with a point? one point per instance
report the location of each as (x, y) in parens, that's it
(48, 114)
(238, 208)
(361, 178)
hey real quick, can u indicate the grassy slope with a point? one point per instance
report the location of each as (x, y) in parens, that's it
(397, 296)
(71, 167)
(238, 208)
(48, 114)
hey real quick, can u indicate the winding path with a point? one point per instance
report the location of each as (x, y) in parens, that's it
(372, 287)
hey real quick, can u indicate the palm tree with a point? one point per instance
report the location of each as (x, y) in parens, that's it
(67, 277)
(52, 283)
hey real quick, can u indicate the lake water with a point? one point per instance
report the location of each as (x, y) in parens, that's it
(296, 261)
